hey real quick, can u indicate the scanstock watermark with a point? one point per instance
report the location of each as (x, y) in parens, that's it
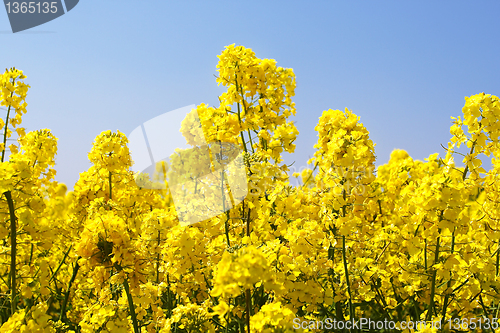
(363, 324)
(25, 15)
(367, 324)
(204, 179)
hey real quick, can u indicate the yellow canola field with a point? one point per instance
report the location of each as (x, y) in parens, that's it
(409, 241)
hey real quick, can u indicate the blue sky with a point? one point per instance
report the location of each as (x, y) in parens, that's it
(403, 66)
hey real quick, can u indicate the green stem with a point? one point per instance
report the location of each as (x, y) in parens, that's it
(247, 296)
(448, 285)
(110, 188)
(226, 227)
(417, 310)
(13, 251)
(158, 260)
(239, 114)
(380, 296)
(331, 256)
(228, 317)
(251, 141)
(311, 175)
(226, 224)
(248, 222)
(31, 254)
(241, 133)
(131, 307)
(485, 311)
(425, 254)
(60, 264)
(66, 297)
(344, 259)
(433, 283)
(6, 125)
(170, 305)
(466, 165)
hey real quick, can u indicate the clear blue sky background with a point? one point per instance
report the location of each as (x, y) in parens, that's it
(403, 66)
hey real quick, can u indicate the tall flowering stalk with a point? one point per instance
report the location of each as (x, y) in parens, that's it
(13, 97)
(26, 174)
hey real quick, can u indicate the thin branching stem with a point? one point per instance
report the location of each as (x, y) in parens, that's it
(131, 307)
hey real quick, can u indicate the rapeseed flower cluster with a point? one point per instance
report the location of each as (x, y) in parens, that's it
(407, 241)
